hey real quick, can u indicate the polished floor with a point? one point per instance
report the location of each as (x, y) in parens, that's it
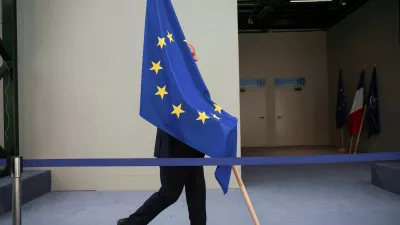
(329, 194)
(288, 151)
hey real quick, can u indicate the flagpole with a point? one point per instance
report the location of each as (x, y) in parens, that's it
(342, 137)
(351, 144)
(359, 132)
(246, 196)
(342, 149)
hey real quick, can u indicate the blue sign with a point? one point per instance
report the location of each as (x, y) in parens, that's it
(290, 82)
(252, 82)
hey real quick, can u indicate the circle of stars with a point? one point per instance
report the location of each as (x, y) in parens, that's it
(162, 91)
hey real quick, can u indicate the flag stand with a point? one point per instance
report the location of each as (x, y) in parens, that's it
(342, 149)
(245, 196)
(351, 144)
(359, 132)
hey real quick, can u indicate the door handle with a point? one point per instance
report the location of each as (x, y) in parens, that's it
(261, 117)
(279, 117)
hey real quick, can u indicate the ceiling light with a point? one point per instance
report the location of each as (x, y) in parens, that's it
(308, 1)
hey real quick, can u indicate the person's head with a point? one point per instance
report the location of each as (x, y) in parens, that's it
(193, 51)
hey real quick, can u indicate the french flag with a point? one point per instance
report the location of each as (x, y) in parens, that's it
(357, 109)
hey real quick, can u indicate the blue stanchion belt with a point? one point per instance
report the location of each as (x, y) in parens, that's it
(276, 160)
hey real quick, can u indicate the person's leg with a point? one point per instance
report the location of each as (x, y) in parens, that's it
(195, 188)
(172, 183)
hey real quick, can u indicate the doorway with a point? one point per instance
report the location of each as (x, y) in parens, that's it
(253, 109)
(294, 122)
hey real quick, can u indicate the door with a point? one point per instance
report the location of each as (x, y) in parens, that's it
(293, 117)
(253, 117)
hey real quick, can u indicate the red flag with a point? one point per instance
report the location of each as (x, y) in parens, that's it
(357, 110)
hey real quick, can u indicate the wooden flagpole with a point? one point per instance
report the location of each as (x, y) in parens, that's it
(246, 196)
(351, 144)
(359, 132)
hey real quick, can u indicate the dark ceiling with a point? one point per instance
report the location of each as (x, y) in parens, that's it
(257, 16)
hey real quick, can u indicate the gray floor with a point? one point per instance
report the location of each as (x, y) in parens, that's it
(282, 195)
(288, 151)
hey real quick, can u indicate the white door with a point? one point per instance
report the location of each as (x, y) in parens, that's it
(294, 124)
(253, 117)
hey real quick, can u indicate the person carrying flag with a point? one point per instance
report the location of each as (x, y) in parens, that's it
(173, 180)
(175, 99)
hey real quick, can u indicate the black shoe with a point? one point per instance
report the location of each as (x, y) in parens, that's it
(123, 221)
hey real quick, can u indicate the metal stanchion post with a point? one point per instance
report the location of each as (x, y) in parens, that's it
(16, 170)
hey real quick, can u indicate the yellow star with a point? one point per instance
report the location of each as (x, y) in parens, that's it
(202, 117)
(171, 39)
(156, 67)
(216, 117)
(161, 42)
(177, 110)
(161, 91)
(185, 40)
(218, 108)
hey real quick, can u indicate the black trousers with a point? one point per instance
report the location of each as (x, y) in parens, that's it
(173, 180)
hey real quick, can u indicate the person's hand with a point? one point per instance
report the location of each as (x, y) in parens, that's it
(193, 51)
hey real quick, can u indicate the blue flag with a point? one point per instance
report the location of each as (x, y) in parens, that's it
(373, 122)
(341, 109)
(174, 96)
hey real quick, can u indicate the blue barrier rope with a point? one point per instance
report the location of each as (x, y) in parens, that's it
(276, 160)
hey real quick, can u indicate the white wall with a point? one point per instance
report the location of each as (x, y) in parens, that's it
(368, 36)
(79, 76)
(290, 54)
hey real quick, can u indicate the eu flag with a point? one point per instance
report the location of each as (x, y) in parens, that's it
(174, 96)
(341, 109)
(373, 107)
